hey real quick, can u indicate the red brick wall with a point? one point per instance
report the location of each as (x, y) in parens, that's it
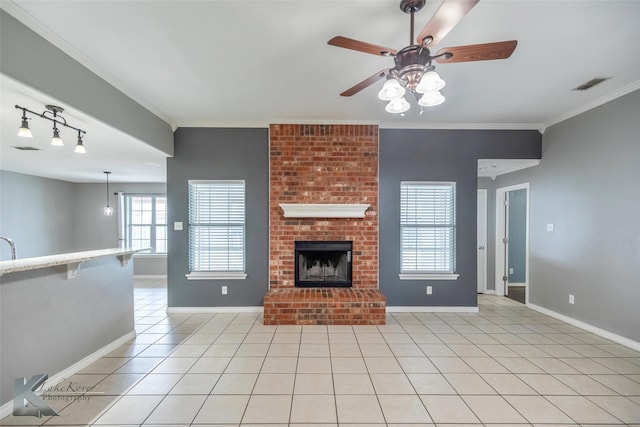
(323, 164)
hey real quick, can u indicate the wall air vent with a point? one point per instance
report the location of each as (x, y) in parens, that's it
(591, 83)
(26, 148)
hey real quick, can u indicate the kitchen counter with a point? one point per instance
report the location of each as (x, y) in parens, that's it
(72, 258)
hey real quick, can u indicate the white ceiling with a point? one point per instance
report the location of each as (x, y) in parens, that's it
(251, 63)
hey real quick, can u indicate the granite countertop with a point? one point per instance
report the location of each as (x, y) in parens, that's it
(25, 264)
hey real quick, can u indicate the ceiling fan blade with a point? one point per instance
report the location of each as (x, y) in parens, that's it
(352, 44)
(478, 52)
(365, 83)
(446, 17)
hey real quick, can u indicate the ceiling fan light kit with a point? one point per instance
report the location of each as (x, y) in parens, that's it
(414, 70)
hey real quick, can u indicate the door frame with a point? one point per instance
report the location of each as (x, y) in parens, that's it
(501, 257)
(482, 284)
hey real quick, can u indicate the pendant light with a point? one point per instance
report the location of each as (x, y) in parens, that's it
(108, 210)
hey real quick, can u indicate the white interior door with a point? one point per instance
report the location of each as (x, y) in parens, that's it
(482, 240)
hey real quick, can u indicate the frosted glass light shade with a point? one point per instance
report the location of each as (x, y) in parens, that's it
(108, 210)
(56, 140)
(391, 90)
(24, 130)
(80, 148)
(430, 82)
(431, 99)
(397, 106)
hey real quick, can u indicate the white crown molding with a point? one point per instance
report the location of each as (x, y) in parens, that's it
(323, 210)
(596, 103)
(13, 8)
(469, 126)
(265, 123)
(540, 127)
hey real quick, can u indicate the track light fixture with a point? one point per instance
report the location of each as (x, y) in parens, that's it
(52, 113)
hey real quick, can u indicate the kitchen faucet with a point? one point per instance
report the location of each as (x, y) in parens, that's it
(13, 246)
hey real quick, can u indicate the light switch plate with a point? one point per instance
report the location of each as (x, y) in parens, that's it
(177, 225)
(549, 227)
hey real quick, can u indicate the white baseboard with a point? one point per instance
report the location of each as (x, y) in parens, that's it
(588, 327)
(432, 309)
(149, 276)
(200, 310)
(7, 408)
(489, 292)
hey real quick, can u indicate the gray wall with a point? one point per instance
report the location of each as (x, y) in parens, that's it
(49, 322)
(588, 186)
(439, 155)
(47, 216)
(23, 55)
(218, 153)
(37, 213)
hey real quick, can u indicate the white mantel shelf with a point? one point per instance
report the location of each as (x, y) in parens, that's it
(324, 210)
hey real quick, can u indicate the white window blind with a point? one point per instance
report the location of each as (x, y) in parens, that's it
(427, 227)
(216, 226)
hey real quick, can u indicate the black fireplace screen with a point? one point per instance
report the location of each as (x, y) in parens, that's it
(323, 263)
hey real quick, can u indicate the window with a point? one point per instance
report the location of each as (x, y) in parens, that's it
(216, 229)
(145, 223)
(427, 230)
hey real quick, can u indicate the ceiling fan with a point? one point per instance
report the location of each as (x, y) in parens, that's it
(414, 70)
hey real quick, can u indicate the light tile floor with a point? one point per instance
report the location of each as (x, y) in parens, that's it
(507, 365)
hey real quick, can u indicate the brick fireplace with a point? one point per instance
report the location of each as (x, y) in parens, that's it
(323, 164)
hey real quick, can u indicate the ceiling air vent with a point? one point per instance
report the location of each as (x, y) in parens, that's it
(591, 83)
(27, 148)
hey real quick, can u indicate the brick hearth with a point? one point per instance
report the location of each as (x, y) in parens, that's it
(324, 306)
(323, 164)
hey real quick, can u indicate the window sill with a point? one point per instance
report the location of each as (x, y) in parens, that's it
(209, 275)
(427, 276)
(148, 255)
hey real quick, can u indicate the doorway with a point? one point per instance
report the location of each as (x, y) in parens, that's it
(512, 240)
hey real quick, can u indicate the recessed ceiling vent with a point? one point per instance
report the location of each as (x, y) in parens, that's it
(591, 83)
(27, 148)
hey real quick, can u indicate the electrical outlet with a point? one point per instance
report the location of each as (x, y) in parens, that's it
(549, 227)
(224, 290)
(429, 290)
(511, 271)
(177, 225)
(571, 299)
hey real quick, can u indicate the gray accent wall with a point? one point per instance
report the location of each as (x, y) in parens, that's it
(439, 155)
(219, 154)
(588, 187)
(37, 213)
(23, 56)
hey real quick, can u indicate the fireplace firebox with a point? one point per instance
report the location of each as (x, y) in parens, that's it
(323, 264)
